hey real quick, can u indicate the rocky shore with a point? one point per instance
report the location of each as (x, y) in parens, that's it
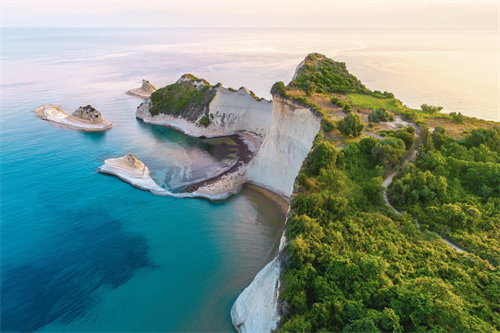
(85, 118)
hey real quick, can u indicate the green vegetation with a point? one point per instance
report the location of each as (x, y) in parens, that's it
(431, 108)
(381, 114)
(320, 74)
(453, 189)
(205, 121)
(351, 124)
(388, 151)
(353, 265)
(183, 97)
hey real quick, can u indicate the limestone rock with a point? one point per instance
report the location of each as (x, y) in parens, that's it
(88, 113)
(147, 87)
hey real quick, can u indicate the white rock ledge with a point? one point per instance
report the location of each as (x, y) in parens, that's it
(255, 310)
(58, 117)
(130, 169)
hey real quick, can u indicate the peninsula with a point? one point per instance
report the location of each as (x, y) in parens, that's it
(348, 261)
(85, 118)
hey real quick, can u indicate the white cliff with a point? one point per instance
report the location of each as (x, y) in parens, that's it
(255, 309)
(144, 91)
(229, 111)
(85, 118)
(291, 136)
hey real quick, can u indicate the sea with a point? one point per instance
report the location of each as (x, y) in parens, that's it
(87, 252)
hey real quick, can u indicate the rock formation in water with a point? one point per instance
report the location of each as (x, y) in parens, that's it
(85, 118)
(144, 91)
(131, 170)
(88, 113)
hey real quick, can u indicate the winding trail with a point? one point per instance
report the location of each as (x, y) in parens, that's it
(411, 156)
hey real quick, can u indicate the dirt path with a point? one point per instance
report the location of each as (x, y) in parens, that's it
(411, 156)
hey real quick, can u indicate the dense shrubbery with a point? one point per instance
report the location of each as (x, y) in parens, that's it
(351, 124)
(453, 187)
(323, 75)
(388, 151)
(178, 97)
(381, 114)
(354, 266)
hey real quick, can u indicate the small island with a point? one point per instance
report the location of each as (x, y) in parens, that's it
(85, 118)
(130, 169)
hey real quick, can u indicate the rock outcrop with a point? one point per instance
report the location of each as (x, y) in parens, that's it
(85, 118)
(88, 113)
(255, 309)
(144, 91)
(131, 170)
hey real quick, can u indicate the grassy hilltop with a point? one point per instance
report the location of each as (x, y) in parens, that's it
(352, 263)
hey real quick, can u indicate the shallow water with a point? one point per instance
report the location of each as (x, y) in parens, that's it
(82, 251)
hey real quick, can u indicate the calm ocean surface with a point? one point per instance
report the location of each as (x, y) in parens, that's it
(81, 251)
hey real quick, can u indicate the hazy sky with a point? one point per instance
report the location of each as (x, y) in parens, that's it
(21, 10)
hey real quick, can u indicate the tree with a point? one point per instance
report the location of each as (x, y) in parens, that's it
(351, 125)
(388, 151)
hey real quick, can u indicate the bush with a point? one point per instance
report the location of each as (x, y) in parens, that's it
(351, 125)
(431, 108)
(457, 117)
(381, 115)
(335, 100)
(323, 156)
(340, 104)
(407, 138)
(347, 108)
(205, 121)
(410, 129)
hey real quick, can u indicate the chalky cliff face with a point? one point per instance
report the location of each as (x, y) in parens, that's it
(290, 139)
(216, 112)
(280, 133)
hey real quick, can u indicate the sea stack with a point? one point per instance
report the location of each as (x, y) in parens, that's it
(85, 118)
(128, 168)
(144, 91)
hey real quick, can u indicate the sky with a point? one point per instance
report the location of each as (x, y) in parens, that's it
(248, 13)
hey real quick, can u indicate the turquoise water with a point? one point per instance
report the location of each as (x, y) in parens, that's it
(82, 251)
